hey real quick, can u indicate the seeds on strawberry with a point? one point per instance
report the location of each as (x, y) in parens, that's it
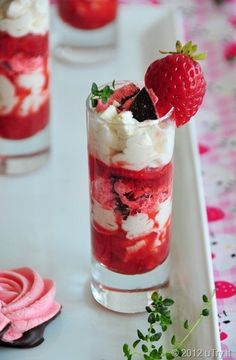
(178, 81)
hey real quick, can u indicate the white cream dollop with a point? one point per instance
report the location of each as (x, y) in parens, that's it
(137, 225)
(104, 217)
(8, 98)
(136, 247)
(22, 17)
(119, 139)
(34, 82)
(164, 212)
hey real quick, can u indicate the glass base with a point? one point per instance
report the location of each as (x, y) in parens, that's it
(127, 293)
(83, 55)
(19, 157)
(20, 165)
(83, 47)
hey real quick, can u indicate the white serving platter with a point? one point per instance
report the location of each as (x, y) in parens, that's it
(44, 220)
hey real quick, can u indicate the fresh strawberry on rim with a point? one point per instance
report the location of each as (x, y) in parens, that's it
(177, 80)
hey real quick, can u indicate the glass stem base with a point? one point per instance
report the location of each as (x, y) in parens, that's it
(127, 293)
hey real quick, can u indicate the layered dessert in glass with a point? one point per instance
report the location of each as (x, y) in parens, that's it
(131, 176)
(86, 30)
(131, 131)
(24, 84)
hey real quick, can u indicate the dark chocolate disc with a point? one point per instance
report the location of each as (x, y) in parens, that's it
(142, 107)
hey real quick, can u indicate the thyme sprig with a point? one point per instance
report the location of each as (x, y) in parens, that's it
(159, 315)
(103, 93)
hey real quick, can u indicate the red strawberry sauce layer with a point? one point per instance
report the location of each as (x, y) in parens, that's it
(87, 14)
(30, 45)
(24, 56)
(127, 193)
(17, 127)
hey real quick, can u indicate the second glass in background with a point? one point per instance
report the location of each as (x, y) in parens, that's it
(24, 86)
(86, 30)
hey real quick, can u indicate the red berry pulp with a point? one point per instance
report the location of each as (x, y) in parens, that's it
(24, 69)
(127, 194)
(87, 14)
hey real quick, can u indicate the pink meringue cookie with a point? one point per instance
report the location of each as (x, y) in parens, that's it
(26, 301)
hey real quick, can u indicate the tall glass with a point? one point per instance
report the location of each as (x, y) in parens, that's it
(86, 29)
(24, 85)
(131, 175)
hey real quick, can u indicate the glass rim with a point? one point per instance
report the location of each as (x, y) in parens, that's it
(139, 124)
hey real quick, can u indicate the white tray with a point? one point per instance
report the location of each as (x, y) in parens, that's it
(44, 219)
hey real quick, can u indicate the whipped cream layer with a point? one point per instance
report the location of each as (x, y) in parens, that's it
(26, 301)
(164, 212)
(104, 217)
(140, 224)
(21, 17)
(31, 79)
(35, 83)
(135, 226)
(8, 98)
(120, 140)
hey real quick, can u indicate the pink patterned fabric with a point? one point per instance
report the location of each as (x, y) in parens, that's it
(213, 28)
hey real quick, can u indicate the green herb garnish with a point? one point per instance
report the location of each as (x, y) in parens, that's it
(159, 316)
(102, 94)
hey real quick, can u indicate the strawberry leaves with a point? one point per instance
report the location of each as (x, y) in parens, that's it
(189, 49)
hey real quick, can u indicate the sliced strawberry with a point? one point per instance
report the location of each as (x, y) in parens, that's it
(123, 93)
(100, 106)
(128, 103)
(119, 96)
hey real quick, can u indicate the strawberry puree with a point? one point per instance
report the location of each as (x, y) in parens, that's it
(17, 127)
(87, 14)
(31, 45)
(24, 78)
(120, 255)
(26, 301)
(130, 216)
